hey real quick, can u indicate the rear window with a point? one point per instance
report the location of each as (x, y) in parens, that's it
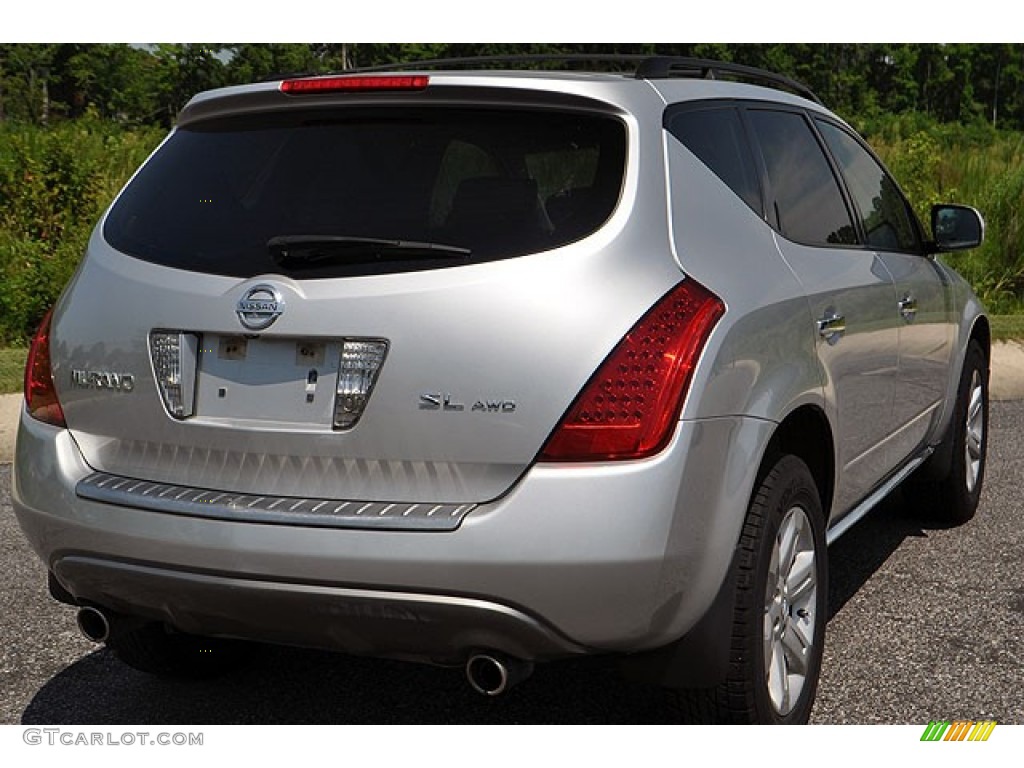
(369, 191)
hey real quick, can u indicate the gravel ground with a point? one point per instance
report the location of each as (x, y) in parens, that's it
(929, 620)
(926, 623)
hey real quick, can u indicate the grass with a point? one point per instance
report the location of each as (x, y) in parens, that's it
(1006, 327)
(12, 370)
(957, 165)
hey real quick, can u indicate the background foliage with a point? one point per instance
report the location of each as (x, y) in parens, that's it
(77, 119)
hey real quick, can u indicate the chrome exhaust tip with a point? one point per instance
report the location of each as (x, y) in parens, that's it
(492, 674)
(94, 624)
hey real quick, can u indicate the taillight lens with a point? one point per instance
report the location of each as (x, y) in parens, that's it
(350, 83)
(174, 355)
(361, 361)
(40, 394)
(628, 408)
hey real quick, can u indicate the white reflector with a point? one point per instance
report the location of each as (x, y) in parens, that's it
(174, 363)
(357, 373)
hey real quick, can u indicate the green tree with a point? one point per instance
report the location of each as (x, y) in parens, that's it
(890, 75)
(998, 71)
(25, 73)
(115, 81)
(250, 62)
(185, 70)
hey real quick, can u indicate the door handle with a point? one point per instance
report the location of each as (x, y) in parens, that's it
(908, 307)
(831, 326)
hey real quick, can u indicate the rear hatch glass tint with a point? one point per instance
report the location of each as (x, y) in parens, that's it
(360, 191)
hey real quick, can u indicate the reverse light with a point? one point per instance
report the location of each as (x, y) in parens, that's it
(174, 364)
(357, 373)
(630, 405)
(40, 393)
(350, 83)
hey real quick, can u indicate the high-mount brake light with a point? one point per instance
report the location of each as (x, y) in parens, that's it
(630, 405)
(40, 393)
(350, 83)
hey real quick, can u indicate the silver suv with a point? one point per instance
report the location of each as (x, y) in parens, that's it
(486, 368)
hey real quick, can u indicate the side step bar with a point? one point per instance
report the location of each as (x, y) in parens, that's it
(857, 513)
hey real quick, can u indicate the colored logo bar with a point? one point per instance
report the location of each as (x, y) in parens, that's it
(958, 730)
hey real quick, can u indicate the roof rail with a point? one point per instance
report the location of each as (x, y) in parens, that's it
(661, 67)
(465, 62)
(645, 67)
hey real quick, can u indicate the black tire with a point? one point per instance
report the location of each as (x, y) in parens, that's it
(155, 649)
(947, 489)
(785, 502)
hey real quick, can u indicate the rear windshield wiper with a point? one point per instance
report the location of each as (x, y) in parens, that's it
(298, 251)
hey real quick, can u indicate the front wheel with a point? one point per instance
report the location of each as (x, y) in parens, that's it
(953, 496)
(780, 607)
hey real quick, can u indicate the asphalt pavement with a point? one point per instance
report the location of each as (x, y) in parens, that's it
(926, 623)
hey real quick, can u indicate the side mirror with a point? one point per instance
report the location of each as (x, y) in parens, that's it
(956, 228)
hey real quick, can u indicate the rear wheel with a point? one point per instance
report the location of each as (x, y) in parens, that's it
(953, 496)
(780, 602)
(155, 649)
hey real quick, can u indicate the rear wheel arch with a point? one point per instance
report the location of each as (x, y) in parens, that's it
(699, 659)
(777, 603)
(797, 462)
(806, 434)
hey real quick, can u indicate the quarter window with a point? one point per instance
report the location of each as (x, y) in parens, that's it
(717, 138)
(808, 201)
(881, 207)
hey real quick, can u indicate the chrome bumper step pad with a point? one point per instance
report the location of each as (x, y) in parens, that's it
(286, 510)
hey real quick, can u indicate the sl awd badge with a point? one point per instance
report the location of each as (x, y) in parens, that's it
(444, 401)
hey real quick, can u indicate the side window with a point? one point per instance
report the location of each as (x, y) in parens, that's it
(881, 208)
(717, 138)
(808, 201)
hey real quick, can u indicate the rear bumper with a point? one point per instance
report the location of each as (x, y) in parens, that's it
(401, 625)
(589, 558)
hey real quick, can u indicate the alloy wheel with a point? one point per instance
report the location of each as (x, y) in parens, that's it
(790, 615)
(975, 433)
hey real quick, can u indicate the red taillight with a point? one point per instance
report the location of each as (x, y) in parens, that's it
(628, 408)
(355, 83)
(40, 394)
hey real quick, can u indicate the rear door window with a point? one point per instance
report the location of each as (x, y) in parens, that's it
(369, 191)
(807, 197)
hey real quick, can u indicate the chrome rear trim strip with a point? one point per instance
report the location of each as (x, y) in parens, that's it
(286, 510)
